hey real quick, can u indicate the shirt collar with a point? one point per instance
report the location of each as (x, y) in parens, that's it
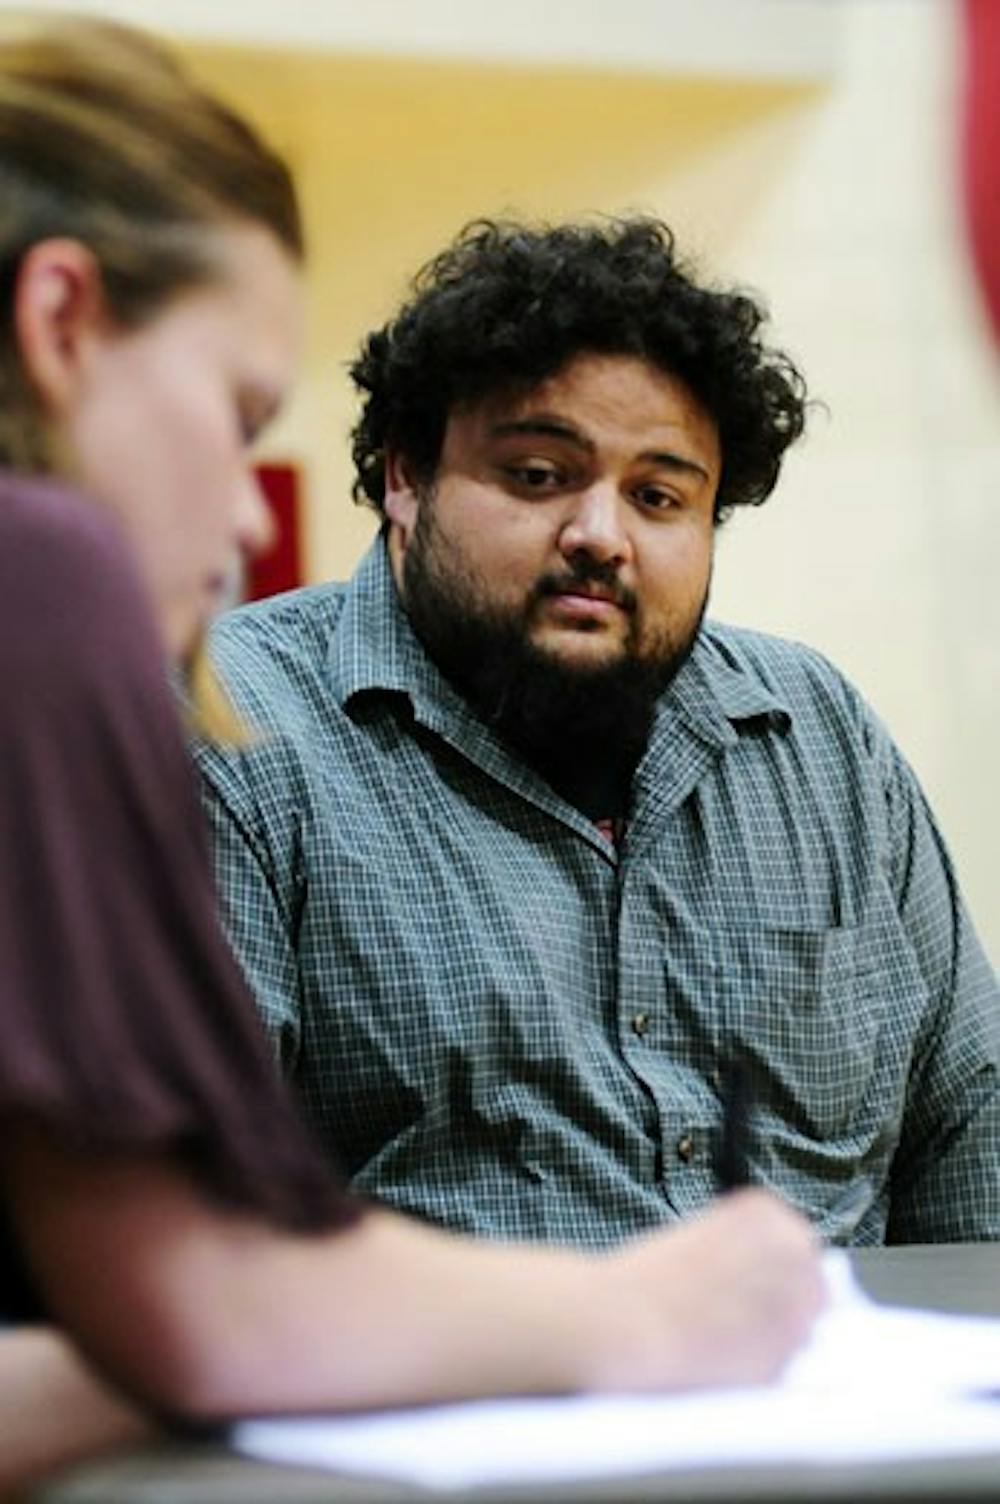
(717, 698)
(375, 648)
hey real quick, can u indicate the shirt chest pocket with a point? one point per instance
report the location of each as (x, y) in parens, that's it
(804, 1011)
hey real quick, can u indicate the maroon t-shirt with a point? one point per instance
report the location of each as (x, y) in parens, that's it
(125, 1023)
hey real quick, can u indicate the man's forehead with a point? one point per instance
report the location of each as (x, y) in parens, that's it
(587, 389)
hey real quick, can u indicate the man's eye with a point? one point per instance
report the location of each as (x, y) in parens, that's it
(655, 498)
(533, 475)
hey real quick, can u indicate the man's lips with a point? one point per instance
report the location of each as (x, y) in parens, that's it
(586, 606)
(592, 598)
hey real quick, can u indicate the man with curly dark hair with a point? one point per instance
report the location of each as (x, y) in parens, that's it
(530, 853)
(504, 308)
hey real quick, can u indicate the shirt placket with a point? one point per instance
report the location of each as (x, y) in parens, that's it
(651, 1036)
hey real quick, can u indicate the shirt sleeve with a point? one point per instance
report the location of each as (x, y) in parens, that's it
(126, 1023)
(945, 1186)
(261, 905)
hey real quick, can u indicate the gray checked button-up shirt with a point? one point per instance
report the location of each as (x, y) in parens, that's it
(499, 1022)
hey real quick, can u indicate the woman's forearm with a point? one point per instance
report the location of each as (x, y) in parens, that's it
(394, 1312)
(210, 1314)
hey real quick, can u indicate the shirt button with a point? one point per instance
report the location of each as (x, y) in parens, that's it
(640, 1023)
(685, 1147)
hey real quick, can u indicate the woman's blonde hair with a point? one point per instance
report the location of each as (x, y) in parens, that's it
(106, 139)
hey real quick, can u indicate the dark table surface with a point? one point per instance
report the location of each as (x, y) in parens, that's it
(960, 1278)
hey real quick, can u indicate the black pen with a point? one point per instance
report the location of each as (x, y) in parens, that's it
(731, 1160)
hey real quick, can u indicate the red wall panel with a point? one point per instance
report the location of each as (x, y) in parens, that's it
(981, 145)
(281, 567)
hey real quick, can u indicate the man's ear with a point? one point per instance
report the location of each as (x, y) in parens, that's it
(402, 499)
(59, 309)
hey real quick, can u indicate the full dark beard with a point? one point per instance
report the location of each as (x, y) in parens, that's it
(583, 727)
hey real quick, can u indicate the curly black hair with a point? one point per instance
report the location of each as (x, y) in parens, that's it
(506, 306)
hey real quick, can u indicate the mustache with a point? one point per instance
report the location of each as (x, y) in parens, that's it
(585, 571)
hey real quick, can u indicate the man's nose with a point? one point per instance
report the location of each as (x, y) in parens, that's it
(596, 525)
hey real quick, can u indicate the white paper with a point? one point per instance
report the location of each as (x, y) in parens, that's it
(874, 1383)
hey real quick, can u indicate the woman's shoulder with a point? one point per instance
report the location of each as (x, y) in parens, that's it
(68, 584)
(48, 529)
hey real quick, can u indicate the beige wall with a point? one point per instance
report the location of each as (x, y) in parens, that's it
(883, 544)
(837, 201)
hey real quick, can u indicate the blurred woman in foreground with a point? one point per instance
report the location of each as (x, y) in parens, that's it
(163, 1204)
